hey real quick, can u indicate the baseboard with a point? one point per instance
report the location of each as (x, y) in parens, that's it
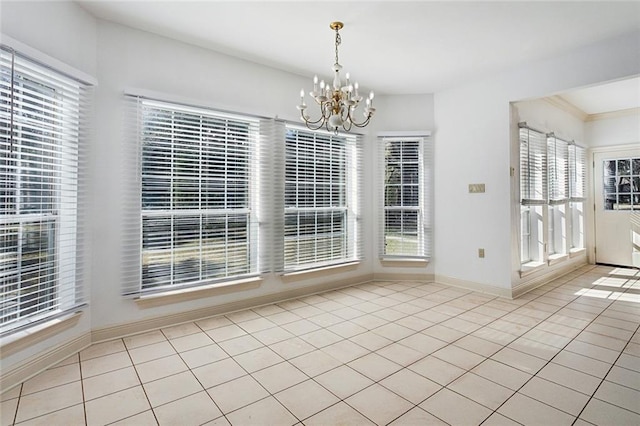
(545, 276)
(387, 276)
(29, 337)
(26, 369)
(474, 286)
(149, 324)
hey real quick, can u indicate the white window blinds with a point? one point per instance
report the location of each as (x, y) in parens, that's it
(43, 124)
(552, 194)
(321, 173)
(558, 170)
(197, 207)
(577, 172)
(533, 167)
(404, 228)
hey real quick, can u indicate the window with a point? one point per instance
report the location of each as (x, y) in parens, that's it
(533, 193)
(552, 195)
(404, 228)
(41, 129)
(558, 193)
(198, 204)
(321, 199)
(622, 184)
(577, 195)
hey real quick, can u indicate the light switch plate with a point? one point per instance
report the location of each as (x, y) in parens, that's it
(476, 188)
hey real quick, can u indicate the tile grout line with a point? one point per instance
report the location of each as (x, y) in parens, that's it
(141, 385)
(605, 377)
(563, 348)
(269, 394)
(602, 313)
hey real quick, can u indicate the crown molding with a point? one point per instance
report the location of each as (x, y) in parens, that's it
(613, 114)
(566, 106)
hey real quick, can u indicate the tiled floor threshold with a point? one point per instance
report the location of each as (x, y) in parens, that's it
(396, 353)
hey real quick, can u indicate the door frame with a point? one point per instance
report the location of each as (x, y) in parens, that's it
(590, 216)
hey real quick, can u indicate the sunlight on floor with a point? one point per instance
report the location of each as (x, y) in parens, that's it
(622, 278)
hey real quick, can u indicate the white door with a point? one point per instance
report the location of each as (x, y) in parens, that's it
(617, 206)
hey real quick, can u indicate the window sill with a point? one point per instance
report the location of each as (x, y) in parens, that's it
(22, 339)
(312, 273)
(400, 262)
(577, 252)
(557, 258)
(530, 268)
(183, 295)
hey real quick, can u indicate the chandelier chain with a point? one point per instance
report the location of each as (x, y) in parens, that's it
(338, 41)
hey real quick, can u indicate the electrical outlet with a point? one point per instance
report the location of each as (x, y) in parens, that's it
(476, 188)
(481, 253)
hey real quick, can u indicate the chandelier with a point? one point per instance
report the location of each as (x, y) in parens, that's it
(337, 101)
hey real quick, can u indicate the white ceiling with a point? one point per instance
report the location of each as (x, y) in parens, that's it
(609, 97)
(391, 46)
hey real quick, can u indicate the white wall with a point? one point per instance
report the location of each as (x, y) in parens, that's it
(470, 123)
(59, 29)
(66, 33)
(546, 117)
(396, 113)
(473, 145)
(613, 130)
(132, 59)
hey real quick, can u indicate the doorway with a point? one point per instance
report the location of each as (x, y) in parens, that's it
(617, 206)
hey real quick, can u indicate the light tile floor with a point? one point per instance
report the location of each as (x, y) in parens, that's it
(378, 353)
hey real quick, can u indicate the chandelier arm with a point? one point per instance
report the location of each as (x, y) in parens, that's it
(314, 125)
(325, 113)
(361, 124)
(313, 122)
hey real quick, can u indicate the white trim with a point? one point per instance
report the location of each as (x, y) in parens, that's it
(400, 262)
(50, 61)
(154, 323)
(391, 276)
(404, 134)
(20, 340)
(30, 367)
(530, 267)
(557, 258)
(574, 252)
(613, 114)
(183, 295)
(612, 148)
(545, 276)
(168, 98)
(310, 273)
(561, 103)
(474, 286)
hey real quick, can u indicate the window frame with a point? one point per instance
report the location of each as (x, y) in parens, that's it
(347, 203)
(46, 143)
(133, 273)
(552, 191)
(421, 208)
